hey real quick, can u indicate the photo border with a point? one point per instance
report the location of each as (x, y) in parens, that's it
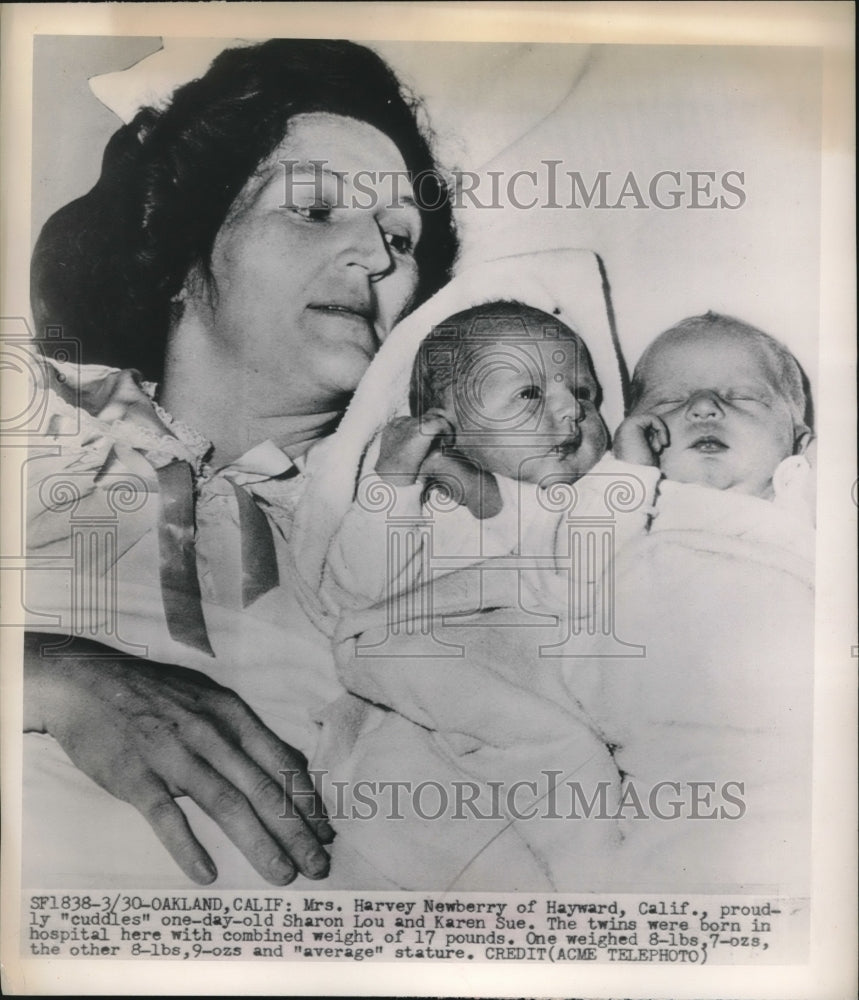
(831, 969)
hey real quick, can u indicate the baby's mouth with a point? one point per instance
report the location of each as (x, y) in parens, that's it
(566, 447)
(708, 444)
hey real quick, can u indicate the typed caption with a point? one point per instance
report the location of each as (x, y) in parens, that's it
(339, 926)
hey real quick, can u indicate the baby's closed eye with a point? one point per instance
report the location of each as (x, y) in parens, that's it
(746, 396)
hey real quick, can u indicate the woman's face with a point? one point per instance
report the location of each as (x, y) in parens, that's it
(313, 265)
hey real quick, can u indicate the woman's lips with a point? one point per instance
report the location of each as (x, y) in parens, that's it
(359, 316)
(361, 310)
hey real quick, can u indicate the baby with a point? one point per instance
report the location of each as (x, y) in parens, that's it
(504, 389)
(504, 403)
(719, 403)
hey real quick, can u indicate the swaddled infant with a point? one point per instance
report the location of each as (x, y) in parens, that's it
(719, 409)
(504, 406)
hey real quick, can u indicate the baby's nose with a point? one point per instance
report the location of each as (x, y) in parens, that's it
(704, 406)
(566, 407)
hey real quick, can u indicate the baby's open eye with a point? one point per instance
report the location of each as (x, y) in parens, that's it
(584, 392)
(530, 392)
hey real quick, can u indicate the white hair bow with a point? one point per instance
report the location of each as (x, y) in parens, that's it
(152, 80)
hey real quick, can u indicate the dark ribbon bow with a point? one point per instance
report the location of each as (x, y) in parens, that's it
(180, 585)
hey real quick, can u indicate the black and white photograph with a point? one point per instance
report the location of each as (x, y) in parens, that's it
(429, 499)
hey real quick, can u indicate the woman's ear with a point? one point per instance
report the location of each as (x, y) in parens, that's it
(196, 288)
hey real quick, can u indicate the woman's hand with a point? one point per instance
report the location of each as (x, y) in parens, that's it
(149, 732)
(641, 438)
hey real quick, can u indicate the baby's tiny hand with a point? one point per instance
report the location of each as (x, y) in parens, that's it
(467, 485)
(406, 442)
(640, 439)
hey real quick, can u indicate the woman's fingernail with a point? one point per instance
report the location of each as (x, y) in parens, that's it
(204, 871)
(326, 832)
(317, 865)
(281, 869)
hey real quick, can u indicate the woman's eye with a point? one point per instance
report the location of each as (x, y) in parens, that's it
(584, 393)
(530, 392)
(400, 243)
(313, 213)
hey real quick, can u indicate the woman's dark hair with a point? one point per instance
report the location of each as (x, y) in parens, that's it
(106, 266)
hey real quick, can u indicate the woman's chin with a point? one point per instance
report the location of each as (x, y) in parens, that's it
(343, 374)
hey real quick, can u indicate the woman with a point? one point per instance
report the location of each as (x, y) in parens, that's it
(223, 253)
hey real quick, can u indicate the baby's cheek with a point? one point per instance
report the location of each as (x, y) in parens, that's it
(598, 437)
(669, 457)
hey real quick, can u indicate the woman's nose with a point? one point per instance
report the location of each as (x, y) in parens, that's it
(367, 246)
(704, 406)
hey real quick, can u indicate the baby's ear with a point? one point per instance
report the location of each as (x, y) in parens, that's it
(803, 437)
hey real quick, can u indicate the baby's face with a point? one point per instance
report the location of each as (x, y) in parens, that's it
(728, 421)
(529, 410)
